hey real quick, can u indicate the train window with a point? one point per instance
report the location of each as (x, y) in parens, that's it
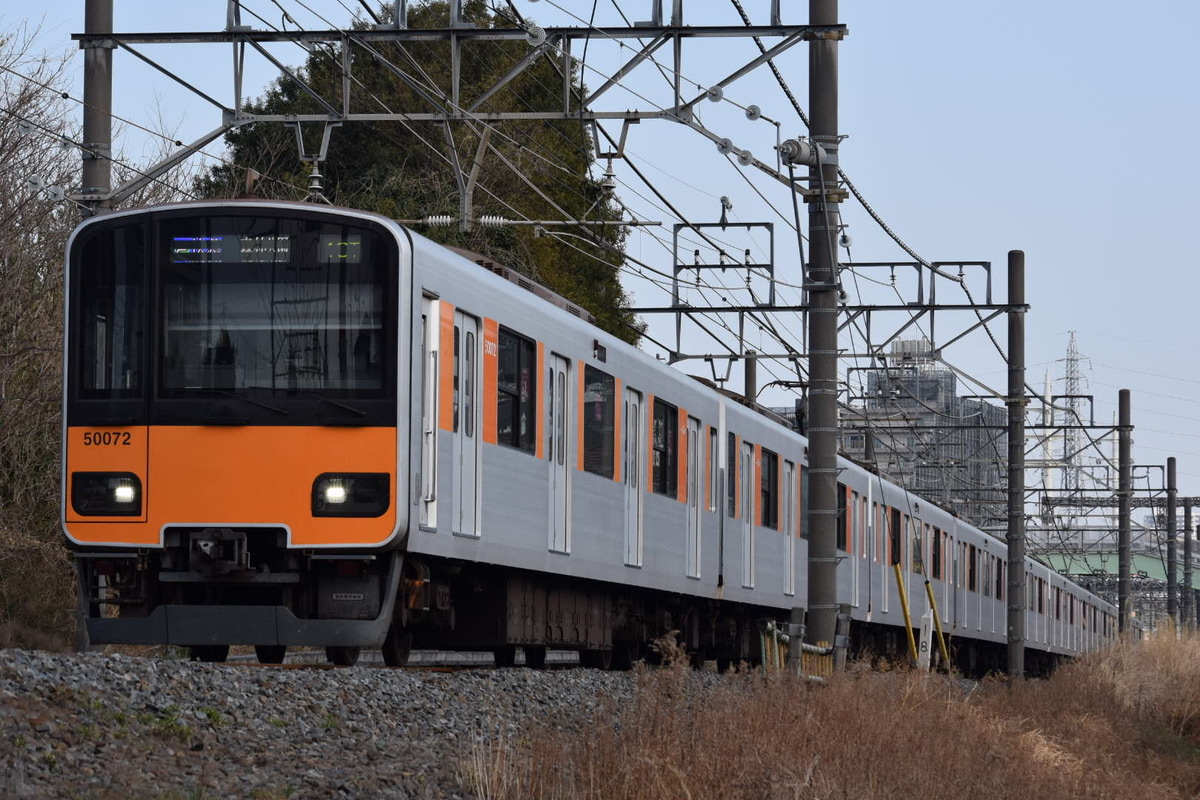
(714, 484)
(860, 526)
(918, 553)
(112, 323)
(731, 449)
(841, 517)
(937, 554)
(516, 385)
(769, 493)
(804, 493)
(877, 517)
(468, 385)
(855, 542)
(894, 539)
(599, 404)
(972, 559)
(999, 579)
(666, 448)
(988, 566)
(457, 373)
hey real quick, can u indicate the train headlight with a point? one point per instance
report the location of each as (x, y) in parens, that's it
(106, 494)
(351, 494)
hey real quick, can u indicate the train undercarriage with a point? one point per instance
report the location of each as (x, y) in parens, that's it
(210, 588)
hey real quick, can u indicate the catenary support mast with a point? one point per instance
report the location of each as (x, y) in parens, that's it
(1172, 558)
(97, 106)
(1016, 464)
(1124, 484)
(822, 283)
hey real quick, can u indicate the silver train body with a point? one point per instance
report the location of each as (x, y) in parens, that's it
(556, 487)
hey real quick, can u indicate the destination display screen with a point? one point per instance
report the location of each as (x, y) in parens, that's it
(233, 248)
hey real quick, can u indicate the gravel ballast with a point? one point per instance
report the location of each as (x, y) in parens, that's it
(114, 726)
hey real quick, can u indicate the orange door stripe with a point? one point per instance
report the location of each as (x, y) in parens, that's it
(491, 370)
(446, 356)
(682, 446)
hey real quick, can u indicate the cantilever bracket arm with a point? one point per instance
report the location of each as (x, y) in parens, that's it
(162, 167)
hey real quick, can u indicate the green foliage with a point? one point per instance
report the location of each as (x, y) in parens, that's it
(532, 169)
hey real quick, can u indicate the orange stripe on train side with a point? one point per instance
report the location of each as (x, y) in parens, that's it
(446, 357)
(543, 377)
(491, 371)
(682, 445)
(618, 420)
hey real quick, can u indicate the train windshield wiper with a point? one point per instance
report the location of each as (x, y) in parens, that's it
(358, 412)
(283, 412)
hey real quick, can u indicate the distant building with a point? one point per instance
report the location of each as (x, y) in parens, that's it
(949, 449)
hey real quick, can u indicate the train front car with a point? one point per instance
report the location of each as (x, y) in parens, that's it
(230, 430)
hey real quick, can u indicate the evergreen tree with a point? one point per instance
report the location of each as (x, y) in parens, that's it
(404, 170)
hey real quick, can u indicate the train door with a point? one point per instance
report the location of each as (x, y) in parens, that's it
(429, 405)
(634, 463)
(558, 401)
(466, 425)
(695, 494)
(749, 491)
(789, 528)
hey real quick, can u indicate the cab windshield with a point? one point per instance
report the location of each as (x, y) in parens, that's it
(268, 306)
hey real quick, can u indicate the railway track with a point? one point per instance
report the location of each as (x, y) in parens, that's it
(427, 660)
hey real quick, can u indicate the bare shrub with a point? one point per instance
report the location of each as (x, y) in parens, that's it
(35, 576)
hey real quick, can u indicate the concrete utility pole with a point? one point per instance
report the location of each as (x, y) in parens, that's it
(97, 106)
(822, 285)
(1016, 464)
(1124, 484)
(1172, 560)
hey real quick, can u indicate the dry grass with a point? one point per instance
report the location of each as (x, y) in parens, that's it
(1123, 724)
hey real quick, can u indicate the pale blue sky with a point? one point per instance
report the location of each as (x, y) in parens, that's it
(1065, 129)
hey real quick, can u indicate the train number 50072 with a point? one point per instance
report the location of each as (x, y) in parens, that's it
(106, 439)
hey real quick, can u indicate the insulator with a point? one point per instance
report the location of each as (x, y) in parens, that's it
(491, 220)
(745, 158)
(715, 94)
(535, 35)
(753, 112)
(725, 147)
(439, 221)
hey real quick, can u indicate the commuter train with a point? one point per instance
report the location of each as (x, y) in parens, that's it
(297, 425)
